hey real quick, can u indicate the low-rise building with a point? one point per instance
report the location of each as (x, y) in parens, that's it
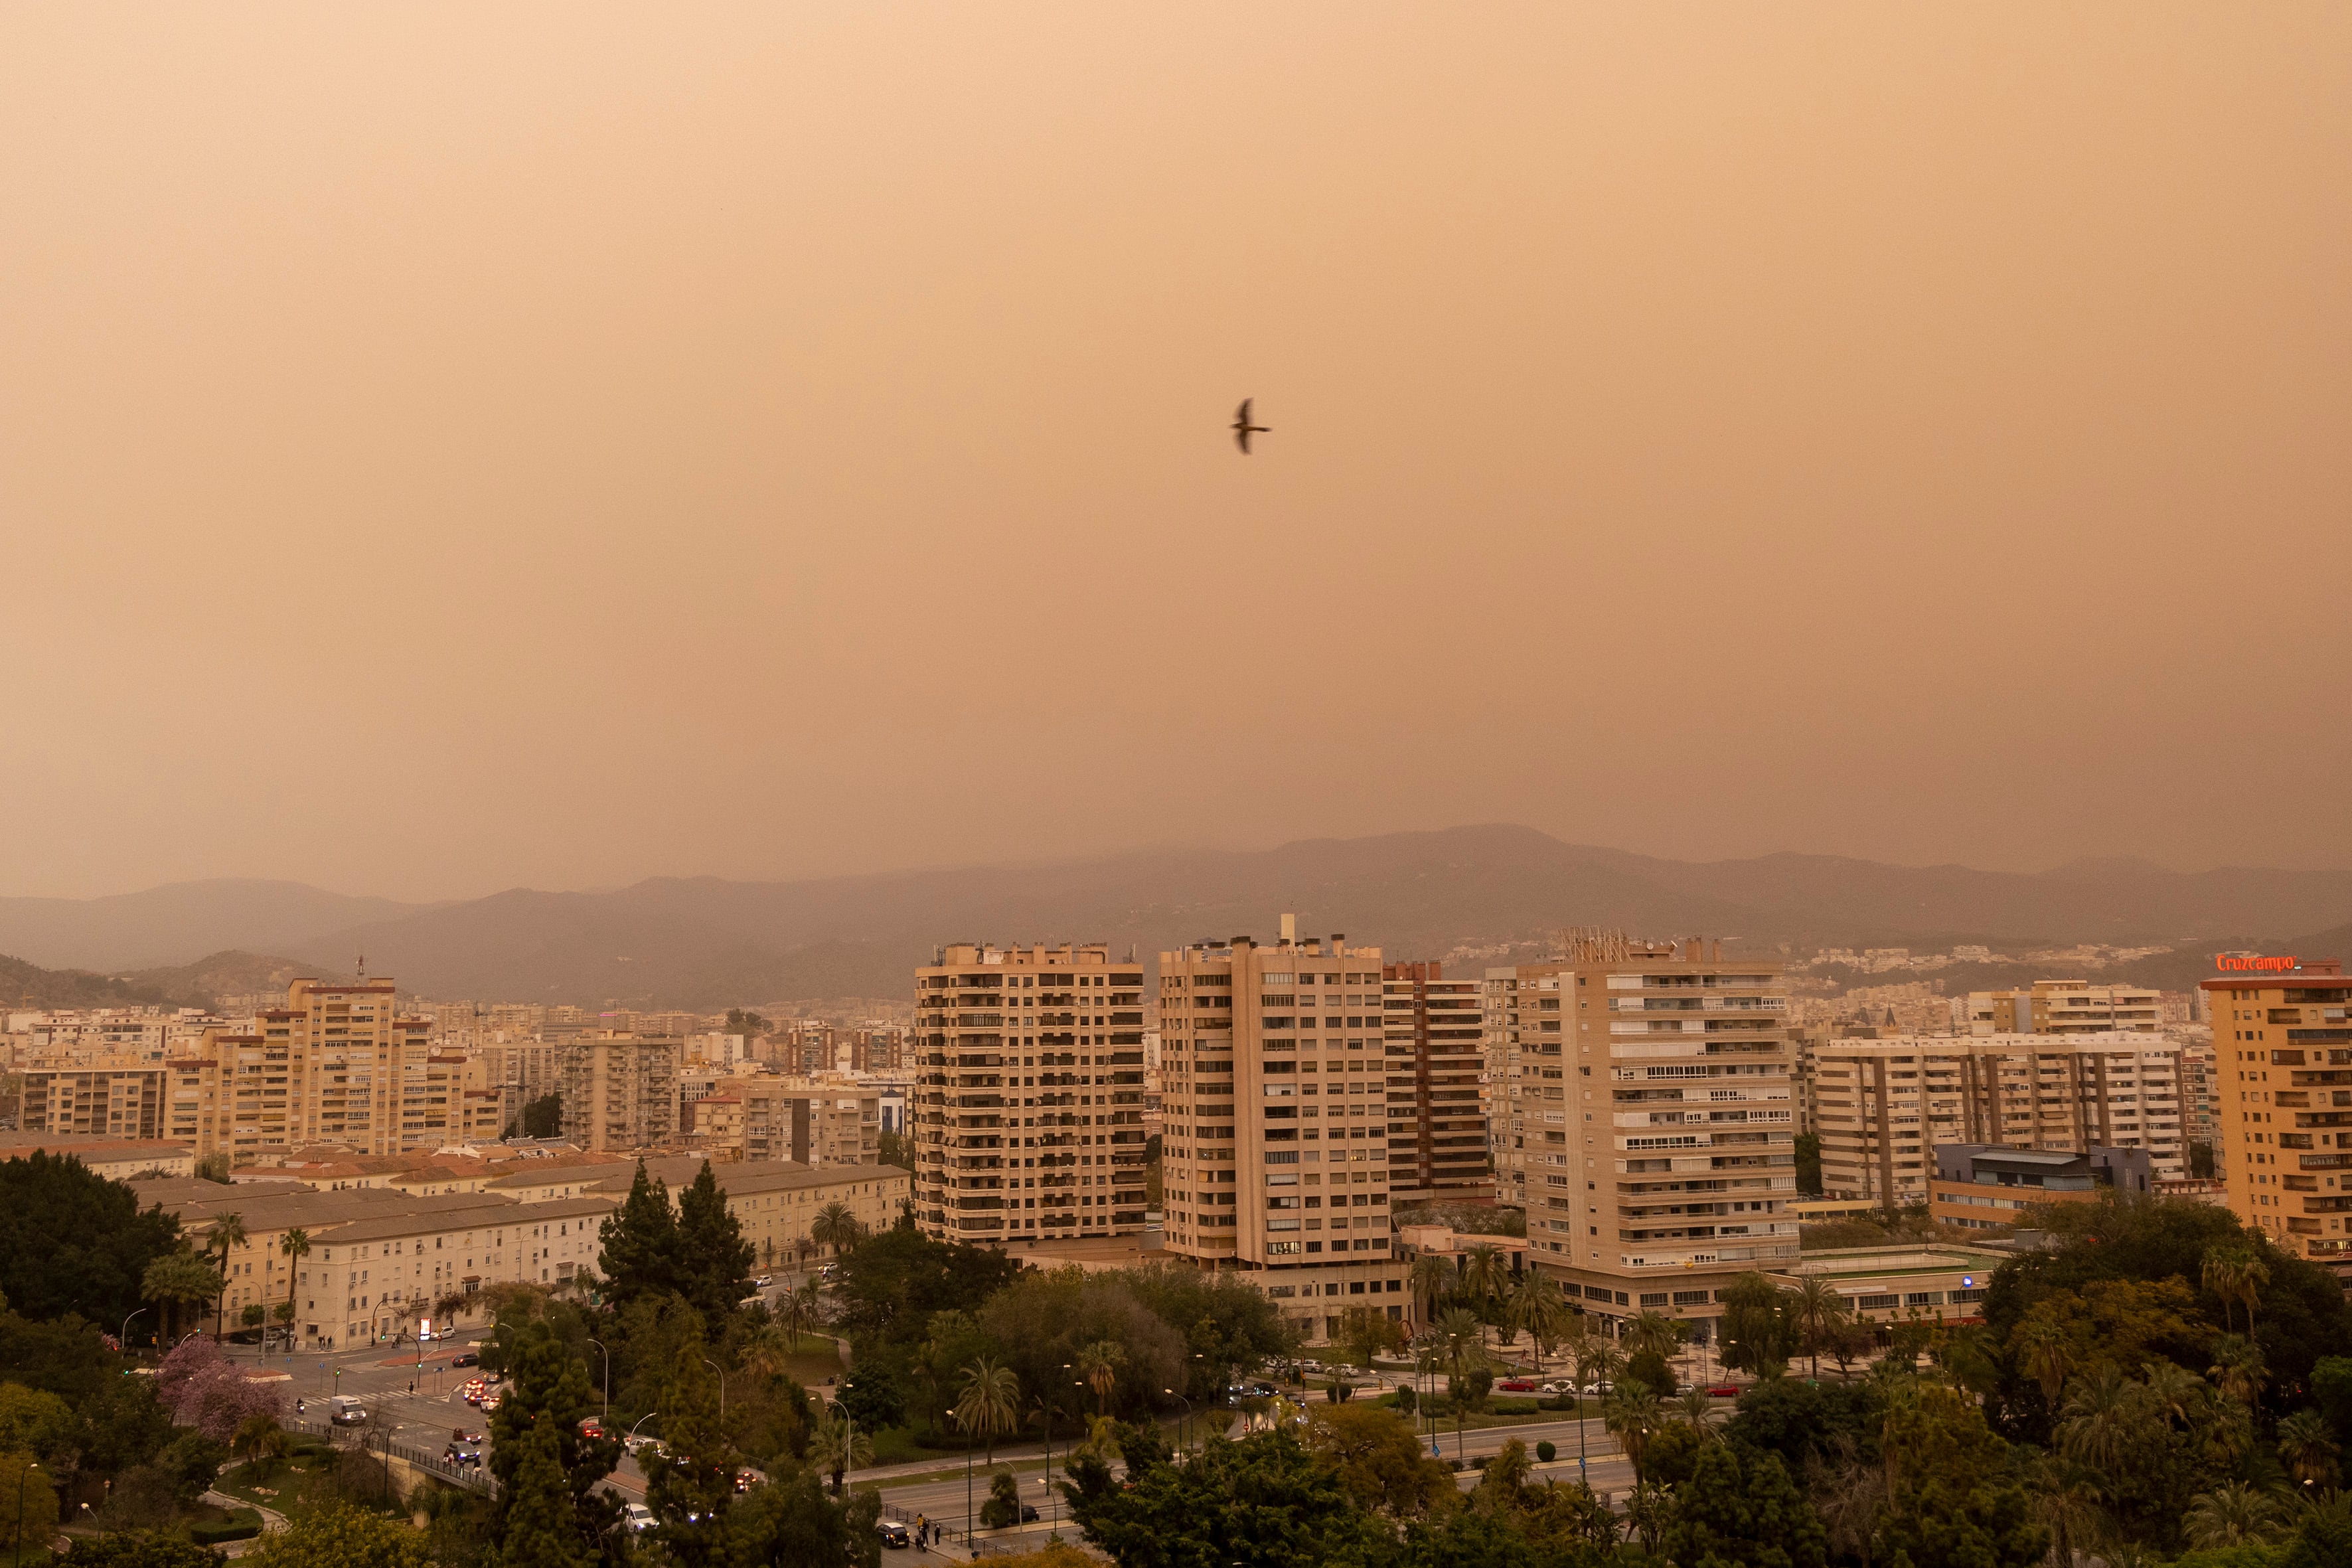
(1887, 1284)
(118, 1158)
(1984, 1187)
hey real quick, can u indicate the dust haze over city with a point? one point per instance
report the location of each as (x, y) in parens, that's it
(598, 603)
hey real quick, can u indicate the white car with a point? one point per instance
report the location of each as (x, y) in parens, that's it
(763, 1282)
(637, 1516)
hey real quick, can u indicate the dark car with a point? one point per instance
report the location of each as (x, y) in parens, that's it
(893, 1533)
(467, 1358)
(1028, 1513)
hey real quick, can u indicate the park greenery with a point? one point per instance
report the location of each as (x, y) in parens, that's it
(2157, 1386)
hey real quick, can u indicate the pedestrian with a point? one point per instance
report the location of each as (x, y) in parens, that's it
(923, 1534)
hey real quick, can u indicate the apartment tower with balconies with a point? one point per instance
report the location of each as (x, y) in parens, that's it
(2284, 1086)
(1027, 1109)
(1276, 1158)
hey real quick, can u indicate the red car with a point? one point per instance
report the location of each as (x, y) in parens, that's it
(591, 1427)
(1725, 1391)
(1516, 1386)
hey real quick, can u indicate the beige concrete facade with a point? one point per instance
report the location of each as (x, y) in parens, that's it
(1663, 1168)
(2284, 1040)
(1276, 1159)
(1027, 1114)
(1882, 1105)
(620, 1092)
(113, 1095)
(2066, 1007)
(1434, 1034)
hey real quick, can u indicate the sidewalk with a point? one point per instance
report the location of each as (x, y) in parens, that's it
(272, 1522)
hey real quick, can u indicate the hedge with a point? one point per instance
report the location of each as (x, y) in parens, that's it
(242, 1524)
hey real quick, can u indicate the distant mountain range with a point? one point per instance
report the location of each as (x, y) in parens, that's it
(705, 943)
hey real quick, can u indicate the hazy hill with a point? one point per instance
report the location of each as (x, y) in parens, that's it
(173, 924)
(705, 942)
(196, 985)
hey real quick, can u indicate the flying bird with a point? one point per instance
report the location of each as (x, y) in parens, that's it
(1243, 429)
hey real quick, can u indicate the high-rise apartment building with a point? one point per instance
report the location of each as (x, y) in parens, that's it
(763, 1117)
(1653, 1126)
(1435, 1035)
(2284, 1040)
(620, 1092)
(333, 1066)
(1882, 1105)
(1276, 1159)
(1525, 1092)
(2066, 1007)
(1028, 1104)
(109, 1097)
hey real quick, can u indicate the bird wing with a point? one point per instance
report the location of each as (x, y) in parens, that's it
(1240, 439)
(1242, 417)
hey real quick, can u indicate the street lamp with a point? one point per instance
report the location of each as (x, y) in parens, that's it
(1181, 1431)
(608, 1378)
(722, 1387)
(22, 1477)
(122, 1336)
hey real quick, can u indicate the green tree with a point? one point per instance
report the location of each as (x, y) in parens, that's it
(23, 1476)
(1484, 1274)
(1815, 1312)
(73, 1241)
(34, 1421)
(890, 1283)
(550, 1384)
(1002, 1509)
(791, 1521)
(835, 1227)
(988, 1402)
(1430, 1277)
(1379, 1461)
(718, 1259)
(224, 1236)
(175, 1280)
(296, 1246)
(1747, 1513)
(689, 1486)
(1631, 1415)
(643, 1254)
(1265, 1503)
(543, 1116)
(1366, 1332)
(1809, 1164)
(137, 1549)
(541, 1528)
(1760, 1327)
(2233, 1514)
(2307, 1449)
(340, 1535)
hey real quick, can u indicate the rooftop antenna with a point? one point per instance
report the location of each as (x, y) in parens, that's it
(362, 966)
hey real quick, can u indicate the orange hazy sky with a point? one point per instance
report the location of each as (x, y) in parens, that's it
(443, 448)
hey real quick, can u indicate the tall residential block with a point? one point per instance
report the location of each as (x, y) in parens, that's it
(1526, 1093)
(2284, 1040)
(620, 1092)
(1662, 1168)
(1276, 1159)
(333, 1066)
(2065, 1007)
(1027, 1113)
(1433, 1031)
(110, 1096)
(1882, 1106)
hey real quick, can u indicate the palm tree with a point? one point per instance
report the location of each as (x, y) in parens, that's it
(2231, 1514)
(2047, 1355)
(834, 1446)
(1694, 1410)
(1432, 1277)
(2068, 1504)
(2179, 1394)
(767, 1350)
(226, 1232)
(989, 1403)
(2306, 1448)
(261, 1443)
(1654, 1331)
(176, 1278)
(1483, 1273)
(837, 1227)
(796, 1310)
(1815, 1310)
(2221, 1275)
(1537, 1308)
(296, 1244)
(1462, 1345)
(1099, 1364)
(2238, 1367)
(2106, 1418)
(1630, 1416)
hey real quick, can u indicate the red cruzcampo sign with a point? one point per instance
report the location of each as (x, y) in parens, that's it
(2254, 964)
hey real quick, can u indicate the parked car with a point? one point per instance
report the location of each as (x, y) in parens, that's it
(638, 1516)
(893, 1533)
(345, 1411)
(1725, 1391)
(1516, 1386)
(1556, 1389)
(463, 1448)
(1028, 1513)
